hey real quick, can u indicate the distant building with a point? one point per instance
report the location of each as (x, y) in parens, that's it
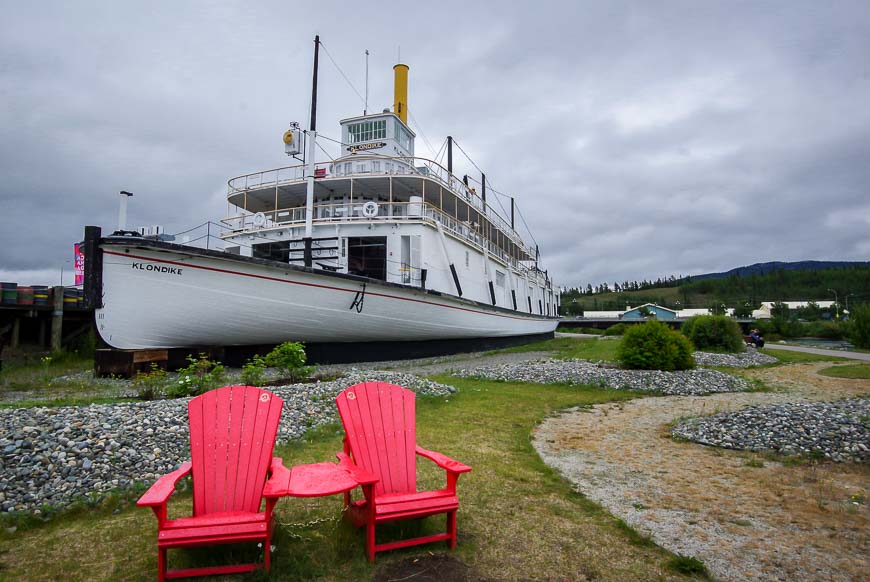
(665, 314)
(657, 311)
(798, 304)
(766, 309)
(602, 314)
(687, 313)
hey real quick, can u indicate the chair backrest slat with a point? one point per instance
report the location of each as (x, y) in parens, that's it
(222, 448)
(410, 438)
(235, 490)
(380, 424)
(232, 436)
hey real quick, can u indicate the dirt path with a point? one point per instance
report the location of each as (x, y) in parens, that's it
(742, 520)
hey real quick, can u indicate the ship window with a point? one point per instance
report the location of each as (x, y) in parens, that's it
(402, 137)
(499, 278)
(367, 131)
(367, 256)
(279, 251)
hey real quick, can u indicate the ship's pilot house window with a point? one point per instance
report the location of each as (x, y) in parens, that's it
(367, 131)
(403, 137)
(367, 256)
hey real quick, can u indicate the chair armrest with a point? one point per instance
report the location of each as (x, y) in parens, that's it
(159, 493)
(279, 480)
(443, 461)
(359, 474)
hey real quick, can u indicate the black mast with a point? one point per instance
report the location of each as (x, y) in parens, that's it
(313, 125)
(512, 213)
(449, 154)
(483, 190)
(307, 255)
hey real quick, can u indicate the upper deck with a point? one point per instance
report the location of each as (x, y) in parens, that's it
(402, 187)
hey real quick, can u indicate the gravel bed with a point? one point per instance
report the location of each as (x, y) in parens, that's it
(840, 430)
(695, 382)
(55, 456)
(748, 359)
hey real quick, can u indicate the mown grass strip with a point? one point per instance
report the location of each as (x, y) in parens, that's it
(567, 348)
(789, 357)
(853, 372)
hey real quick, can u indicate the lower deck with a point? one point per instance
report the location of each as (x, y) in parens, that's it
(415, 251)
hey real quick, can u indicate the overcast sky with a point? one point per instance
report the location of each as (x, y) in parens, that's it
(640, 139)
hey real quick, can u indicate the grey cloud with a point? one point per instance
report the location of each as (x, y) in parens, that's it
(640, 139)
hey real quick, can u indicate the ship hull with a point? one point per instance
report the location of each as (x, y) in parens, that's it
(160, 295)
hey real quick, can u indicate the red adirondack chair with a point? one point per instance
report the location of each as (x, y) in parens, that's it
(380, 449)
(232, 434)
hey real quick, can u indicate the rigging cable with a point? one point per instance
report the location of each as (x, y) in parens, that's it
(420, 129)
(339, 142)
(328, 155)
(440, 152)
(516, 206)
(342, 73)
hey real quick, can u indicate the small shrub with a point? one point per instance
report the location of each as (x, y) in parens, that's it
(688, 326)
(654, 346)
(200, 376)
(744, 311)
(150, 385)
(253, 371)
(687, 565)
(785, 327)
(618, 329)
(591, 330)
(714, 332)
(766, 329)
(859, 332)
(290, 359)
(831, 330)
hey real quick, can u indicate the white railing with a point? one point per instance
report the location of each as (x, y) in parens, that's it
(363, 166)
(351, 212)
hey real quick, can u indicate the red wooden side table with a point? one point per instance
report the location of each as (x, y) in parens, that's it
(319, 480)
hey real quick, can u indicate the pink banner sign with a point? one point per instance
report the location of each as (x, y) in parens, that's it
(80, 265)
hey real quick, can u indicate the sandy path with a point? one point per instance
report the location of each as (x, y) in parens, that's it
(744, 522)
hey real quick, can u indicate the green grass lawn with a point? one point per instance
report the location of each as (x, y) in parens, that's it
(854, 371)
(567, 348)
(517, 520)
(788, 357)
(61, 379)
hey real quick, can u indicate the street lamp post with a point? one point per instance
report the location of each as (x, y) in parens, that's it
(66, 261)
(847, 301)
(836, 303)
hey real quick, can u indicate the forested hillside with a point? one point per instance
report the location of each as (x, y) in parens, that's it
(852, 285)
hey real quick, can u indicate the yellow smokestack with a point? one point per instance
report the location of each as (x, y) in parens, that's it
(400, 101)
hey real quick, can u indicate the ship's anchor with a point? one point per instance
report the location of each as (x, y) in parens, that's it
(358, 299)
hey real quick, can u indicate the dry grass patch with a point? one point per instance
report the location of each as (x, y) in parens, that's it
(743, 514)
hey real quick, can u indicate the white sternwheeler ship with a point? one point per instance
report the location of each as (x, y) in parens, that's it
(375, 246)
